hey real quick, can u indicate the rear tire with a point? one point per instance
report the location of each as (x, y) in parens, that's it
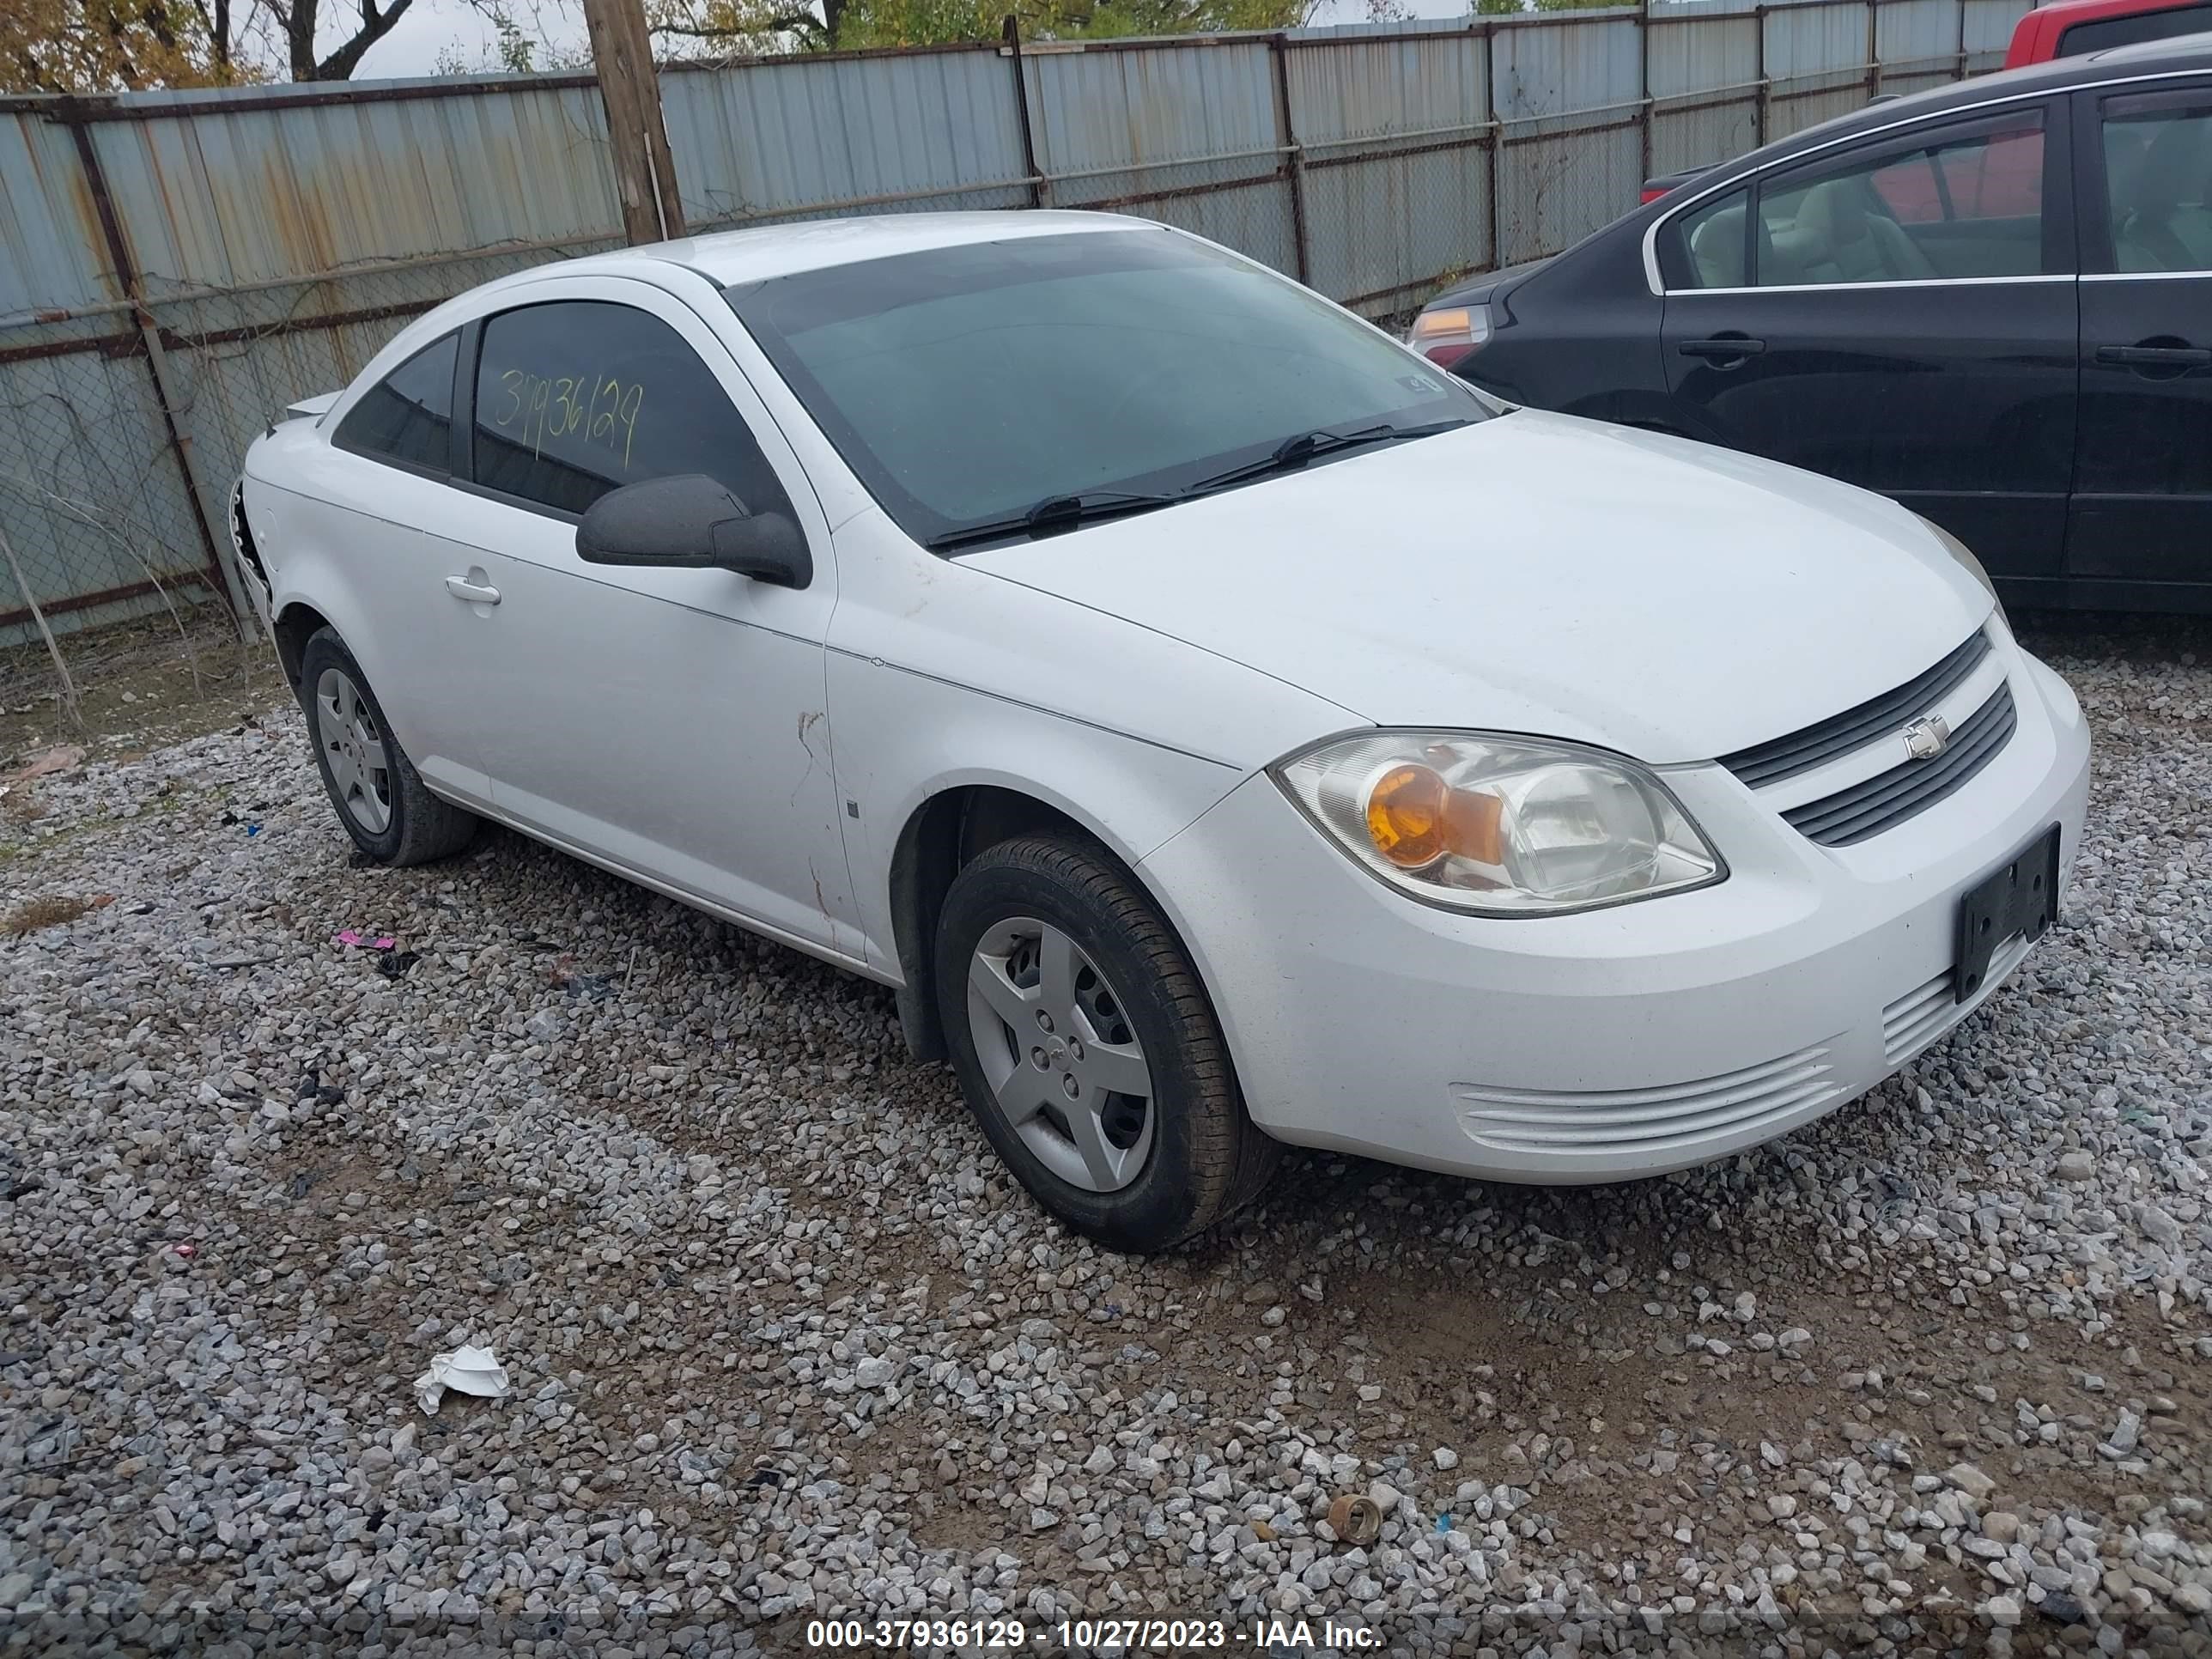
(1087, 1049)
(379, 798)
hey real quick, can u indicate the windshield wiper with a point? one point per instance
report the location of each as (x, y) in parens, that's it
(1053, 512)
(1295, 450)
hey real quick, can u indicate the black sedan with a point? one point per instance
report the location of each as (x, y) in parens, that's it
(1992, 302)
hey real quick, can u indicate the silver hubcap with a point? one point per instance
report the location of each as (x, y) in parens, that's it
(1063, 1066)
(355, 749)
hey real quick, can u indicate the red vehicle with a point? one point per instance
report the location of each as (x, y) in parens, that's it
(2069, 27)
(2065, 28)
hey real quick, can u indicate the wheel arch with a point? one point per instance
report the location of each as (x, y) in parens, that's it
(943, 834)
(297, 623)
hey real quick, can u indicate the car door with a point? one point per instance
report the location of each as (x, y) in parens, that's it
(2143, 500)
(1898, 313)
(383, 493)
(669, 722)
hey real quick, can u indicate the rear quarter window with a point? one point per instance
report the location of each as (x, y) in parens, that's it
(407, 417)
(1706, 248)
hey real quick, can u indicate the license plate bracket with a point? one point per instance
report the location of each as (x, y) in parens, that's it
(2020, 895)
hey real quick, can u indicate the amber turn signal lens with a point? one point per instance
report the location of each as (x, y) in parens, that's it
(1405, 816)
(1414, 818)
(1471, 826)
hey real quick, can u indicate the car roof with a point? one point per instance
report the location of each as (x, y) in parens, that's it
(729, 256)
(2057, 14)
(2178, 55)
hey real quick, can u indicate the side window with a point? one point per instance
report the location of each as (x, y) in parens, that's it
(2128, 31)
(408, 416)
(578, 397)
(1910, 191)
(2158, 180)
(1707, 244)
(1966, 202)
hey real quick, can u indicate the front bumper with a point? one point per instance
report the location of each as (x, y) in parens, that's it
(1620, 1042)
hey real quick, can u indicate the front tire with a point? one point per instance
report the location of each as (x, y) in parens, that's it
(379, 798)
(1088, 1050)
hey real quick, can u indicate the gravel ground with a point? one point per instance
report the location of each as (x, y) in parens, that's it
(785, 1343)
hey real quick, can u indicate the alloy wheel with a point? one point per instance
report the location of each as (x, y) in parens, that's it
(1065, 1068)
(353, 748)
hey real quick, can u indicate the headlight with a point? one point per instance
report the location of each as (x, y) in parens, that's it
(1448, 333)
(1500, 825)
(1958, 550)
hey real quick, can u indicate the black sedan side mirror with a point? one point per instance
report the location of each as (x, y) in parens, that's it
(690, 522)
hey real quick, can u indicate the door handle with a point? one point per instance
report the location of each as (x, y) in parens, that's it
(2140, 357)
(474, 592)
(1723, 350)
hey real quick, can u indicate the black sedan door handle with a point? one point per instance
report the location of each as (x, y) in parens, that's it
(2153, 357)
(1723, 349)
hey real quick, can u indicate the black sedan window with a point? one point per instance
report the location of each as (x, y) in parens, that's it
(2158, 179)
(1966, 205)
(1707, 246)
(1963, 201)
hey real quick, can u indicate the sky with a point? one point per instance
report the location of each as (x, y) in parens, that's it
(436, 28)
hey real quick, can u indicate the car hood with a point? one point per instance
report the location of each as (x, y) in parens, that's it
(1540, 574)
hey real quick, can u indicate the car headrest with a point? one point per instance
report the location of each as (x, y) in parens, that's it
(2172, 169)
(1836, 212)
(1716, 249)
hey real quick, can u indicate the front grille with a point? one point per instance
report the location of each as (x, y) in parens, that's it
(1676, 1116)
(1801, 752)
(1887, 799)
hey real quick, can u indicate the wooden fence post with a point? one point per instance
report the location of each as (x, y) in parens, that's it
(637, 139)
(1293, 158)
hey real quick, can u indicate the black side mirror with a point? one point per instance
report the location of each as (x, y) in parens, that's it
(690, 522)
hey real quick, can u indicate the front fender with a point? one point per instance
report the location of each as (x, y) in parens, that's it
(903, 739)
(943, 676)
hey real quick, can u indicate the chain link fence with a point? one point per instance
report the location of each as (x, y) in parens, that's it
(183, 266)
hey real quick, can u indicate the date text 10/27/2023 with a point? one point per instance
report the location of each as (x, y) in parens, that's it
(1088, 1635)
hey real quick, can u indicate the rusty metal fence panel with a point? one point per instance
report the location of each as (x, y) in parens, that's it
(46, 263)
(1396, 156)
(1190, 135)
(1986, 31)
(1819, 62)
(1570, 105)
(1703, 68)
(175, 267)
(807, 137)
(1917, 44)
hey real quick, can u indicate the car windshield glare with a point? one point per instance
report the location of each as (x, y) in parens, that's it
(966, 385)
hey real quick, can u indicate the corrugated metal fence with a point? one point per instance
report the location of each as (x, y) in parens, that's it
(180, 266)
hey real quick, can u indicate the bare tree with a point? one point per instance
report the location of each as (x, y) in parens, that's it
(299, 21)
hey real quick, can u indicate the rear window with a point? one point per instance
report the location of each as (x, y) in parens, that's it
(2103, 32)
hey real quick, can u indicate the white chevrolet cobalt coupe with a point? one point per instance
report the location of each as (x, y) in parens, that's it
(1221, 727)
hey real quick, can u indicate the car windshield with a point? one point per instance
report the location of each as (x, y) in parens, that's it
(974, 385)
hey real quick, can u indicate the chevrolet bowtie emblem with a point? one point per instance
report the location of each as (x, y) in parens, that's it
(1927, 737)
